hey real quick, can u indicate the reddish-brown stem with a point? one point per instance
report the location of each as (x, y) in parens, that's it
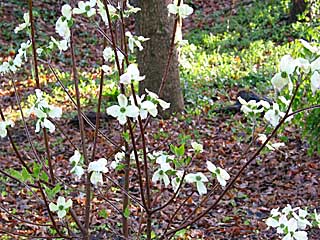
(36, 75)
(172, 198)
(25, 125)
(97, 124)
(49, 212)
(303, 110)
(82, 135)
(14, 145)
(171, 50)
(33, 42)
(77, 221)
(175, 213)
(22, 220)
(46, 142)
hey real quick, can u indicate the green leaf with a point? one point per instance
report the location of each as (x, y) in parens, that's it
(44, 177)
(16, 174)
(181, 233)
(126, 212)
(126, 136)
(173, 149)
(52, 192)
(56, 189)
(103, 213)
(36, 170)
(120, 167)
(180, 150)
(187, 160)
(25, 175)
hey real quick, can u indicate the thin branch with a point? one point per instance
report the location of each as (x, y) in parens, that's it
(82, 135)
(24, 221)
(36, 74)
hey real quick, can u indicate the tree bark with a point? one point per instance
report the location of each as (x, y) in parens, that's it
(298, 7)
(153, 22)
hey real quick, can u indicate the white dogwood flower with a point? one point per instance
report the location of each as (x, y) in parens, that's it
(23, 49)
(43, 111)
(274, 115)
(123, 110)
(76, 160)
(177, 180)
(271, 146)
(283, 78)
(62, 24)
(61, 207)
(303, 64)
(66, 11)
(196, 147)
(289, 223)
(132, 74)
(162, 161)
(62, 28)
(97, 168)
(198, 178)
(301, 218)
(108, 54)
(145, 106)
(160, 175)
(87, 8)
(117, 159)
(3, 127)
(131, 9)
(135, 41)
(315, 82)
(293, 233)
(26, 23)
(154, 98)
(103, 13)
(253, 106)
(308, 46)
(220, 173)
(315, 65)
(62, 45)
(183, 10)
(4, 68)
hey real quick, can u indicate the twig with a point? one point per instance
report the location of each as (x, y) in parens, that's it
(82, 135)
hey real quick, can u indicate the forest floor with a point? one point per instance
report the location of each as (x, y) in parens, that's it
(286, 176)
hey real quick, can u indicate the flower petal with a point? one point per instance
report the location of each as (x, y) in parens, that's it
(114, 111)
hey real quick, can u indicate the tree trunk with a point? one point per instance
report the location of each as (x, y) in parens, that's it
(153, 22)
(298, 7)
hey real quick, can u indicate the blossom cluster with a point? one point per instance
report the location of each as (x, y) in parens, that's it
(183, 11)
(143, 107)
(43, 111)
(290, 222)
(199, 179)
(12, 65)
(289, 66)
(96, 168)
